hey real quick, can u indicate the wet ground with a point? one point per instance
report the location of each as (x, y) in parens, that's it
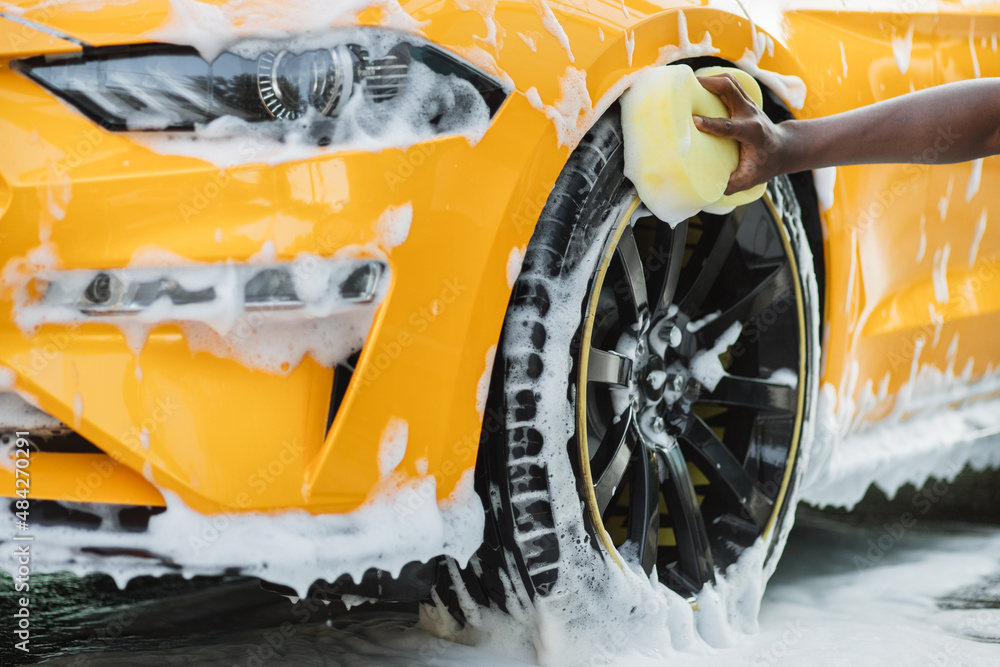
(869, 588)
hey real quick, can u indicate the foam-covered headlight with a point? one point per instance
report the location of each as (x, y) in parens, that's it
(163, 87)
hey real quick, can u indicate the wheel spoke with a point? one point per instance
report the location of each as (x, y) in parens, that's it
(716, 459)
(694, 554)
(620, 440)
(628, 252)
(674, 239)
(716, 259)
(644, 505)
(775, 286)
(608, 367)
(753, 393)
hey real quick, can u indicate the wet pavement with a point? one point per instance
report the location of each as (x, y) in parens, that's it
(846, 586)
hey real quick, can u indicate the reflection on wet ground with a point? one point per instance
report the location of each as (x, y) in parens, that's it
(231, 621)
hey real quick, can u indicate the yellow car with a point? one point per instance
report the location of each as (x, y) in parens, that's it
(325, 291)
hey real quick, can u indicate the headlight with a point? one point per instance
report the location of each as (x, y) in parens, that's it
(361, 83)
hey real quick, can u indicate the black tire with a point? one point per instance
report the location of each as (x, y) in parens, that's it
(541, 523)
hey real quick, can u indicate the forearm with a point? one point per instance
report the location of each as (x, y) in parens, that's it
(951, 123)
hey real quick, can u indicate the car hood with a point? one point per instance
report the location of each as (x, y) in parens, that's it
(110, 22)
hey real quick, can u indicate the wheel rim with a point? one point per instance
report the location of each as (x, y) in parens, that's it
(679, 476)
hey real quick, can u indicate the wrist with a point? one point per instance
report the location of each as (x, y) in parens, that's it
(786, 149)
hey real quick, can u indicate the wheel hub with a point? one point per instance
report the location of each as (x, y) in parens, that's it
(661, 375)
(654, 379)
(646, 418)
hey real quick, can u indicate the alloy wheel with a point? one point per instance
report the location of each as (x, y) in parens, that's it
(690, 383)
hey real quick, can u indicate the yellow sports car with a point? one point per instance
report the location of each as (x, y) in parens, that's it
(331, 291)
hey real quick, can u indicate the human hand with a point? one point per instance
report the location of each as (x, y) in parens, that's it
(762, 144)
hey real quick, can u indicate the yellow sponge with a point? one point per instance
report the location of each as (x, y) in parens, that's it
(677, 169)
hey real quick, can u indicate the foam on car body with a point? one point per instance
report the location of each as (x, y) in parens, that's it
(677, 169)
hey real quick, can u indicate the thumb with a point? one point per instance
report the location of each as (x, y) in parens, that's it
(720, 127)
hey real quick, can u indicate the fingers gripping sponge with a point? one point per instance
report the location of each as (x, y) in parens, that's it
(677, 169)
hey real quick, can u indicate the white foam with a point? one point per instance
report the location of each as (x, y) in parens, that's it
(629, 45)
(977, 238)
(403, 521)
(972, 48)
(212, 29)
(901, 49)
(940, 273)
(974, 177)
(786, 376)
(483, 386)
(328, 328)
(824, 180)
(487, 10)
(514, 261)
(937, 444)
(572, 112)
(528, 41)
(706, 366)
(922, 246)
(943, 203)
(77, 409)
(552, 25)
(392, 448)
(685, 48)
(393, 226)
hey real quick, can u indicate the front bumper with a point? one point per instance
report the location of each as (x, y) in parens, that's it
(220, 434)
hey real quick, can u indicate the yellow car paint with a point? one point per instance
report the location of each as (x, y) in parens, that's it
(224, 437)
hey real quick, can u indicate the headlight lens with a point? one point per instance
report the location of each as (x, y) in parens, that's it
(162, 87)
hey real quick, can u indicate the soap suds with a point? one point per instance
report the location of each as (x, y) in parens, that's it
(922, 246)
(393, 226)
(629, 45)
(980, 230)
(77, 409)
(684, 47)
(972, 48)
(974, 177)
(402, 521)
(824, 180)
(483, 386)
(940, 273)
(934, 442)
(790, 88)
(552, 25)
(328, 327)
(392, 448)
(514, 261)
(212, 29)
(706, 367)
(943, 203)
(572, 112)
(901, 49)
